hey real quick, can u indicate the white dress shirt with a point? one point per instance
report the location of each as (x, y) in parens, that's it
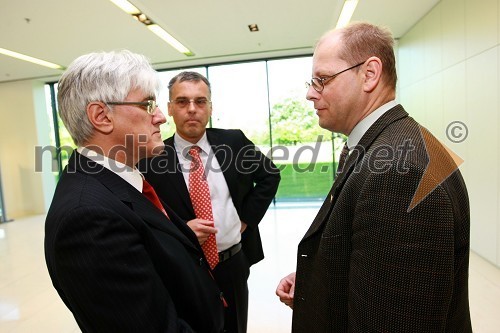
(130, 175)
(226, 218)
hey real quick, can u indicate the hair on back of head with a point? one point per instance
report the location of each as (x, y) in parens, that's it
(362, 40)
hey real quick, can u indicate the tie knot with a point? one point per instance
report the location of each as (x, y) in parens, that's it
(342, 159)
(345, 149)
(194, 151)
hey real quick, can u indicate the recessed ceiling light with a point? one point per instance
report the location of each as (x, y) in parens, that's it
(141, 17)
(253, 27)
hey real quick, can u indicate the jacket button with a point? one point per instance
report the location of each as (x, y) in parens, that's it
(201, 261)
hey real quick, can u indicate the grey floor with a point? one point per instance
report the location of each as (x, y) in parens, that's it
(28, 302)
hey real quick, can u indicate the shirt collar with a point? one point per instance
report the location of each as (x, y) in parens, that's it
(130, 175)
(360, 129)
(184, 145)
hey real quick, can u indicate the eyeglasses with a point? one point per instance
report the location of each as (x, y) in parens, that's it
(318, 83)
(150, 105)
(182, 102)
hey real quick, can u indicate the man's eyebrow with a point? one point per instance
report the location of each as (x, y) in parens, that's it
(197, 97)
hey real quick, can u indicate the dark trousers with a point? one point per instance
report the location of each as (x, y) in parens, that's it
(231, 276)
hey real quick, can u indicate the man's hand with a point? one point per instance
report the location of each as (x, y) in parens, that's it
(202, 229)
(243, 227)
(286, 289)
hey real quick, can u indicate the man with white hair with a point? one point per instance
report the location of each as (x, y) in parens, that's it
(117, 258)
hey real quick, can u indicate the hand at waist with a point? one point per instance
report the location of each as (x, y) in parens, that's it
(202, 229)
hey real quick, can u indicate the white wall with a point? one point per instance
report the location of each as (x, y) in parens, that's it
(449, 70)
(24, 125)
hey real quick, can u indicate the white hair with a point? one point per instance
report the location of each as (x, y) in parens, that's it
(104, 77)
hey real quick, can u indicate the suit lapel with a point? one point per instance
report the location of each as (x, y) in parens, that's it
(331, 198)
(176, 177)
(353, 160)
(132, 198)
(225, 156)
(154, 217)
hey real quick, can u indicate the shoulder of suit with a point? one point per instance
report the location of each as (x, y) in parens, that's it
(224, 131)
(229, 137)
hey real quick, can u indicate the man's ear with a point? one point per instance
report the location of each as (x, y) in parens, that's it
(373, 74)
(100, 117)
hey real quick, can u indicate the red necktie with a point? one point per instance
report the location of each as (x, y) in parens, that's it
(200, 198)
(150, 193)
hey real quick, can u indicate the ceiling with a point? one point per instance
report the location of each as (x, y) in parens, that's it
(216, 31)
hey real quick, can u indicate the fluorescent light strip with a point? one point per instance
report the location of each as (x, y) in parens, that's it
(346, 14)
(30, 59)
(160, 32)
(126, 6)
(129, 8)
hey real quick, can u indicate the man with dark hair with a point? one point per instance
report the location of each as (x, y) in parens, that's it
(225, 205)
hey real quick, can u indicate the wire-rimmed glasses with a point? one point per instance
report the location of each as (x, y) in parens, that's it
(318, 83)
(182, 102)
(150, 105)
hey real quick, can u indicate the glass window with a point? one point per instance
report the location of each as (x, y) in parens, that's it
(239, 100)
(60, 137)
(266, 100)
(301, 149)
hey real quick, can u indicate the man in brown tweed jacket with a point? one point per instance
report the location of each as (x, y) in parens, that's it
(389, 248)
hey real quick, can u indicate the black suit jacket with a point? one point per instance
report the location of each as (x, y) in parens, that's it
(119, 264)
(251, 177)
(367, 262)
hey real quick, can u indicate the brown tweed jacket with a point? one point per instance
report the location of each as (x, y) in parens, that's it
(368, 263)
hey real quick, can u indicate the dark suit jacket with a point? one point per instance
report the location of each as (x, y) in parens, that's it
(119, 264)
(251, 177)
(367, 263)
